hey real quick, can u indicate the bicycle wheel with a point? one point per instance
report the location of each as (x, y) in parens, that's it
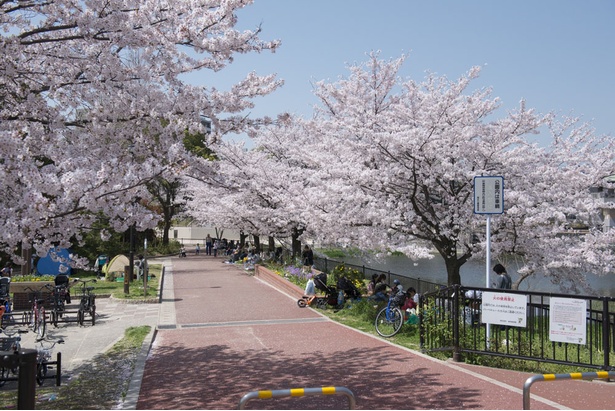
(4, 374)
(41, 372)
(301, 303)
(80, 316)
(391, 326)
(26, 318)
(41, 323)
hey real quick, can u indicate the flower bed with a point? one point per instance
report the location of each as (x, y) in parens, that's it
(278, 281)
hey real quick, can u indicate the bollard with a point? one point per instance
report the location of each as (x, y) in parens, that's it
(127, 279)
(553, 377)
(26, 385)
(58, 369)
(298, 392)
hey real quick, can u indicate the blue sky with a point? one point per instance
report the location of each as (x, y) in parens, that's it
(557, 55)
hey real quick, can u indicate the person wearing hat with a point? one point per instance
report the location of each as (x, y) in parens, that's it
(397, 287)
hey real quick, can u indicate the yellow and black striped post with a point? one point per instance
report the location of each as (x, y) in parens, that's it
(553, 377)
(298, 392)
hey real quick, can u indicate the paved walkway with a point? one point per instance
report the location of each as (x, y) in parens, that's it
(223, 333)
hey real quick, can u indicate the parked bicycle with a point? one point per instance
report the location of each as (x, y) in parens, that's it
(36, 317)
(43, 359)
(87, 305)
(60, 296)
(11, 342)
(6, 304)
(390, 319)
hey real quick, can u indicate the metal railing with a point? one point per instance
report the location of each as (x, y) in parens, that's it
(452, 322)
(557, 377)
(420, 285)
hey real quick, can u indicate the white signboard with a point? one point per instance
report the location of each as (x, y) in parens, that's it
(489, 195)
(504, 309)
(567, 320)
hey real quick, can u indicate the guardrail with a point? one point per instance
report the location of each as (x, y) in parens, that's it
(451, 320)
(298, 392)
(555, 377)
(421, 286)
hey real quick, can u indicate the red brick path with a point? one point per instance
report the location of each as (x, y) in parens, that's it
(236, 334)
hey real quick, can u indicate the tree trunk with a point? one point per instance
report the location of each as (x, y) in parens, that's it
(257, 243)
(296, 244)
(453, 262)
(271, 245)
(453, 267)
(165, 232)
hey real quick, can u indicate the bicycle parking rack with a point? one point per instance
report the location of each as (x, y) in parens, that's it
(298, 392)
(26, 383)
(554, 377)
(57, 377)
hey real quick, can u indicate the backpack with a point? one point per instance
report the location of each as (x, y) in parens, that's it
(399, 299)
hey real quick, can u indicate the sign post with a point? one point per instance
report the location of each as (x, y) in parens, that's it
(488, 199)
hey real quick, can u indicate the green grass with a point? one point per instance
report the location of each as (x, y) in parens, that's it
(361, 315)
(116, 288)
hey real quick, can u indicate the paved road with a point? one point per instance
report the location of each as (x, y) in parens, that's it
(223, 333)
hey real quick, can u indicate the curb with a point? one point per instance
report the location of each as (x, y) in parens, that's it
(134, 386)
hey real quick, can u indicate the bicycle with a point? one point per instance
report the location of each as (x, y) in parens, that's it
(390, 319)
(10, 343)
(87, 303)
(36, 317)
(6, 310)
(43, 359)
(59, 299)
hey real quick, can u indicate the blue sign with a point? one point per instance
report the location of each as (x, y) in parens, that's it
(57, 261)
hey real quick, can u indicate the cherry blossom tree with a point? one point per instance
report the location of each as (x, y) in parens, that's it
(258, 191)
(94, 105)
(388, 164)
(398, 158)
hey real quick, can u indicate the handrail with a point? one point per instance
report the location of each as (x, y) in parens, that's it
(553, 377)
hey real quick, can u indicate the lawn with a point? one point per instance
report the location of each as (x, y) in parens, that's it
(135, 289)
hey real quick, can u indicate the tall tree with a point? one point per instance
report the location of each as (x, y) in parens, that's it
(397, 161)
(84, 127)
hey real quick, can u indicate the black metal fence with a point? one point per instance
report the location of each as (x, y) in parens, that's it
(421, 286)
(451, 320)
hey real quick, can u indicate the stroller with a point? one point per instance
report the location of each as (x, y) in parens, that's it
(330, 298)
(351, 292)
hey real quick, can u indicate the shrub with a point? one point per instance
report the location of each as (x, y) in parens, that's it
(352, 274)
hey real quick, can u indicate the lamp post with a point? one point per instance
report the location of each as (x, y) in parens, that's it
(131, 260)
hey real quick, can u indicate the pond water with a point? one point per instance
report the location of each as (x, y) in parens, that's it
(473, 274)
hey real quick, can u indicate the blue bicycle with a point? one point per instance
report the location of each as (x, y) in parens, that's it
(390, 319)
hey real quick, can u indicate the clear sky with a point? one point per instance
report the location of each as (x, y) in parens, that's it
(558, 55)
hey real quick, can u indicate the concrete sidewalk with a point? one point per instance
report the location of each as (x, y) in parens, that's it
(223, 333)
